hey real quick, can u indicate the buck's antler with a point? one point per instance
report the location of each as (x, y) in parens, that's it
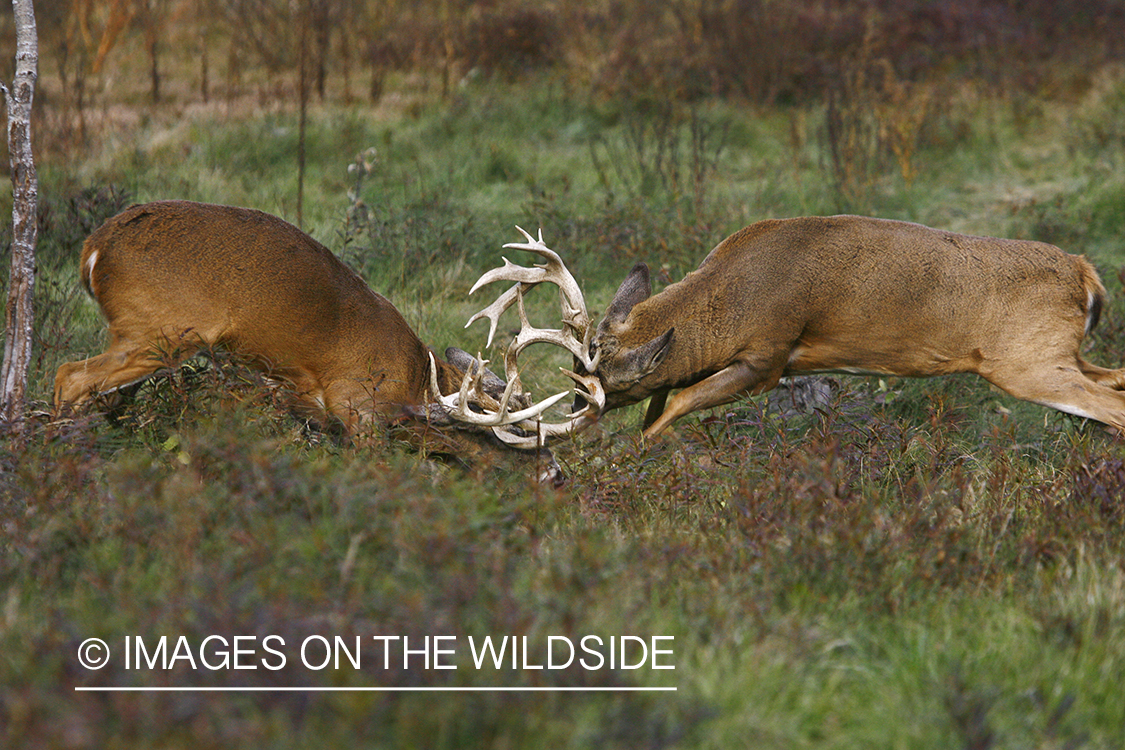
(519, 429)
(457, 404)
(574, 337)
(541, 432)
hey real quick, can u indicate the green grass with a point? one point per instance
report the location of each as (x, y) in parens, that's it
(922, 564)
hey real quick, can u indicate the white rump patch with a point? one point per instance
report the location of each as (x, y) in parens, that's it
(93, 259)
(1089, 312)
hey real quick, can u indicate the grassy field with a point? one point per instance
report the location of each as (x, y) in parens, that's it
(917, 564)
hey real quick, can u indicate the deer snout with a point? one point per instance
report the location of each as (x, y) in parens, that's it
(552, 474)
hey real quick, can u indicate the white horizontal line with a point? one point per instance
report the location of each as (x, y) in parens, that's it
(514, 689)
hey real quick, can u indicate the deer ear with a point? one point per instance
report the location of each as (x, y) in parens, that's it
(648, 356)
(637, 287)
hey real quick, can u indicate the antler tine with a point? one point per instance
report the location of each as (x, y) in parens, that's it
(454, 402)
(561, 338)
(525, 277)
(555, 271)
(468, 381)
(575, 317)
(530, 240)
(495, 310)
(535, 410)
(511, 371)
(591, 390)
(435, 391)
(524, 442)
(511, 272)
(529, 335)
(534, 245)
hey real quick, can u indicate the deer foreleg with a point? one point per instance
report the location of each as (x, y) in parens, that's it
(727, 385)
(655, 407)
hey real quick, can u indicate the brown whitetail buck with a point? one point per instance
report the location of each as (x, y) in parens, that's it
(173, 278)
(843, 294)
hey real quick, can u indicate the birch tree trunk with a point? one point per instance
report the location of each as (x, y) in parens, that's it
(18, 317)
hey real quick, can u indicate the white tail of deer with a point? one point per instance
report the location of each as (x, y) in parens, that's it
(849, 294)
(175, 277)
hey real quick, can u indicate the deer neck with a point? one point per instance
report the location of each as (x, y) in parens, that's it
(682, 307)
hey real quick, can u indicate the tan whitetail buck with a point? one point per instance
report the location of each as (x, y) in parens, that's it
(174, 278)
(843, 294)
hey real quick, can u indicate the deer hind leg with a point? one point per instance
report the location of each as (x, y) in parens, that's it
(1080, 389)
(729, 384)
(125, 362)
(1114, 379)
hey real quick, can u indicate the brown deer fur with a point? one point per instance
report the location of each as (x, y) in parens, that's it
(849, 294)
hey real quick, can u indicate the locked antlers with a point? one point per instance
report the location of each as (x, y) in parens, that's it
(472, 393)
(574, 336)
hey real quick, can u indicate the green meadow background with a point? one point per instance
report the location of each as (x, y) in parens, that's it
(901, 564)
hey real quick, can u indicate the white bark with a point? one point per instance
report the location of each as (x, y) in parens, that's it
(18, 316)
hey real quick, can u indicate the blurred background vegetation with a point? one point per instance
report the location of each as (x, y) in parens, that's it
(756, 51)
(897, 564)
(628, 130)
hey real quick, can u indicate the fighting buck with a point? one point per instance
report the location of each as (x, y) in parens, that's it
(173, 278)
(842, 294)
